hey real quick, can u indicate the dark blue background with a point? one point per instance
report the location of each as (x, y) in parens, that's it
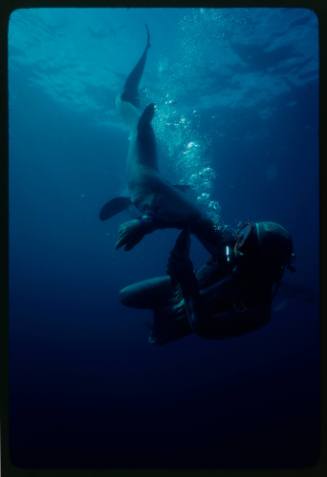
(86, 389)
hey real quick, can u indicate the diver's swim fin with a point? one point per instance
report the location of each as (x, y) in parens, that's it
(113, 207)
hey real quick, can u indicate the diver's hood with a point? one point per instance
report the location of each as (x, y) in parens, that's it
(265, 243)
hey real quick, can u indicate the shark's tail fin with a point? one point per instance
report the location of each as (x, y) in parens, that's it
(131, 87)
(148, 41)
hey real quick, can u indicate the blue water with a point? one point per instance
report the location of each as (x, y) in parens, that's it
(237, 117)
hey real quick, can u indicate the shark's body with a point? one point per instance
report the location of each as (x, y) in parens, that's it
(148, 191)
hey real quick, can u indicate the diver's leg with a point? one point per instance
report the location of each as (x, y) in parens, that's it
(130, 92)
(149, 293)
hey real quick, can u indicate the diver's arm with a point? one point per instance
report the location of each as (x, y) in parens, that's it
(181, 271)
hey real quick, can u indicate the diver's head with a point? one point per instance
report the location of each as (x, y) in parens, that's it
(267, 245)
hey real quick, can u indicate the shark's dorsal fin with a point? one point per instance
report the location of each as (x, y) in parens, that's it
(113, 207)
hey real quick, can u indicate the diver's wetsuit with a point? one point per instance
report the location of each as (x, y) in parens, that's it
(236, 301)
(220, 300)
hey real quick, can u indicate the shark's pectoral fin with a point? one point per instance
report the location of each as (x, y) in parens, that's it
(113, 207)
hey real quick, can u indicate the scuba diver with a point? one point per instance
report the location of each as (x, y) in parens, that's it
(229, 296)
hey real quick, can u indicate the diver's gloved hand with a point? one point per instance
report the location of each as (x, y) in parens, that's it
(132, 232)
(180, 267)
